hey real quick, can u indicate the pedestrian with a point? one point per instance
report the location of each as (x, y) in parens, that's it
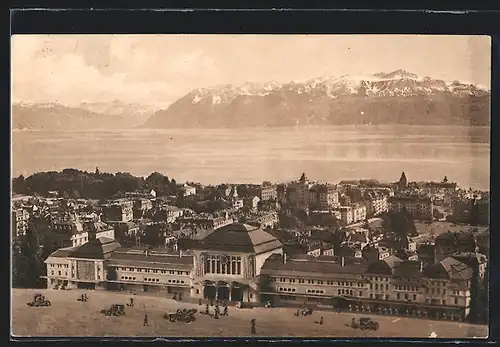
(211, 302)
(253, 331)
(180, 296)
(225, 311)
(321, 321)
(131, 302)
(199, 302)
(146, 320)
(206, 309)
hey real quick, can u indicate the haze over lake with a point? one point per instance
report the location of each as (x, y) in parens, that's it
(253, 155)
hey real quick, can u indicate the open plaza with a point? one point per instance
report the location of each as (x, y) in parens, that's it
(66, 316)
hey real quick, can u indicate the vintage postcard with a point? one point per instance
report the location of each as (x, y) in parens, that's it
(250, 185)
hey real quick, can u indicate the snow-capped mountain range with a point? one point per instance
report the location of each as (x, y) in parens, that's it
(397, 83)
(330, 100)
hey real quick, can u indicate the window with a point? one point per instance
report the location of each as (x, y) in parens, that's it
(52, 273)
(251, 295)
(456, 301)
(406, 296)
(360, 293)
(444, 302)
(371, 296)
(386, 287)
(387, 297)
(398, 296)
(171, 272)
(339, 292)
(197, 291)
(59, 273)
(371, 286)
(301, 281)
(414, 297)
(376, 286)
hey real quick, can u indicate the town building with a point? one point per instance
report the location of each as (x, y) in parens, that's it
(188, 190)
(228, 261)
(449, 243)
(358, 213)
(20, 221)
(118, 211)
(140, 207)
(298, 192)
(268, 191)
(376, 204)
(346, 215)
(92, 230)
(252, 203)
(84, 266)
(390, 285)
(266, 220)
(323, 196)
(418, 207)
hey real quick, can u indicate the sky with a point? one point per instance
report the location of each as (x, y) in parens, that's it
(155, 70)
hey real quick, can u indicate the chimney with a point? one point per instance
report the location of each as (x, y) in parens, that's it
(284, 258)
(146, 252)
(421, 266)
(180, 253)
(343, 261)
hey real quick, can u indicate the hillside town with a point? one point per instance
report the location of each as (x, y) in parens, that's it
(402, 248)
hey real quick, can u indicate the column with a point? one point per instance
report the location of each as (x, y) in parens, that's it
(230, 290)
(216, 291)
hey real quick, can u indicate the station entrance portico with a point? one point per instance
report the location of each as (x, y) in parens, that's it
(222, 290)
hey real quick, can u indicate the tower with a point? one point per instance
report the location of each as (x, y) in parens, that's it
(403, 182)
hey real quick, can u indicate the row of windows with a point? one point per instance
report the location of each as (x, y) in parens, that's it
(286, 289)
(348, 292)
(315, 291)
(59, 273)
(170, 272)
(217, 264)
(409, 288)
(437, 291)
(332, 283)
(381, 286)
(65, 266)
(438, 284)
(129, 278)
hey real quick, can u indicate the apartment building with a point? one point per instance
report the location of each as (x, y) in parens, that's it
(418, 207)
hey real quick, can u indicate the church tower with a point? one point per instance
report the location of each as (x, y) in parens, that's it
(403, 182)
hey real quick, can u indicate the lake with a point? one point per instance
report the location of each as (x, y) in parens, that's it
(276, 154)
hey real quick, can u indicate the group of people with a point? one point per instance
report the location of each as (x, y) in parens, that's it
(84, 298)
(217, 311)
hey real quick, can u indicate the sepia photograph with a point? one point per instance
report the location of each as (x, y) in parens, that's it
(194, 186)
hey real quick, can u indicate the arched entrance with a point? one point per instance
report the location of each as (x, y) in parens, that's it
(223, 293)
(209, 290)
(236, 293)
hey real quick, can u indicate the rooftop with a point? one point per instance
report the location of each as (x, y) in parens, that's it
(100, 248)
(239, 237)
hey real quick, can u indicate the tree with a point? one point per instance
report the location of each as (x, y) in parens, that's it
(475, 297)
(19, 266)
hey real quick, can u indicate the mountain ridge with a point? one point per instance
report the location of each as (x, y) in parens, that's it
(382, 98)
